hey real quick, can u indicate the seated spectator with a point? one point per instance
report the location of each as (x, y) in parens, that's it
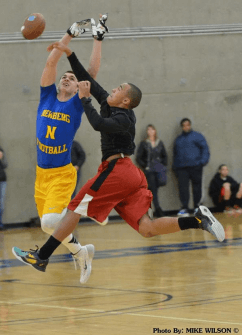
(225, 192)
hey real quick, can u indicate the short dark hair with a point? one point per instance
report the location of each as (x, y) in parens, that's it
(220, 166)
(69, 71)
(184, 120)
(135, 95)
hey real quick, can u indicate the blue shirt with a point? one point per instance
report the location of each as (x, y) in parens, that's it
(56, 126)
(190, 149)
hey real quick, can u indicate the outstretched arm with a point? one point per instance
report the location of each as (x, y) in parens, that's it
(80, 72)
(95, 59)
(50, 71)
(98, 35)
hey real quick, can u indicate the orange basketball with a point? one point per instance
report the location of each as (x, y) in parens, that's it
(33, 26)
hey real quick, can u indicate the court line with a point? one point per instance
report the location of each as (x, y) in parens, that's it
(195, 284)
(147, 250)
(128, 313)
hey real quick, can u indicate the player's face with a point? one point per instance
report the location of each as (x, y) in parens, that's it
(186, 126)
(68, 83)
(224, 171)
(118, 95)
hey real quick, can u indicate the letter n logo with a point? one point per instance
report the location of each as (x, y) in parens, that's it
(50, 132)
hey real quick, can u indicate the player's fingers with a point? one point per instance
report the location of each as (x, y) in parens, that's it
(52, 46)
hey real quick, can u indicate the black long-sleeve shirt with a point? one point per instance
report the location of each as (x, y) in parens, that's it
(116, 125)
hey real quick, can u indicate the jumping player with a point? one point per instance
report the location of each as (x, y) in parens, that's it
(119, 183)
(58, 118)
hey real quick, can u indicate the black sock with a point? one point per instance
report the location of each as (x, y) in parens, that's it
(48, 248)
(188, 223)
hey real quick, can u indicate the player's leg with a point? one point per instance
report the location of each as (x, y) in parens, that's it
(134, 210)
(203, 219)
(53, 190)
(49, 223)
(39, 258)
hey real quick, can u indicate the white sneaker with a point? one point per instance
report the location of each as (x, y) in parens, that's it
(84, 259)
(209, 223)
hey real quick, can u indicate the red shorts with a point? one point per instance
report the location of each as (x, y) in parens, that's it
(119, 184)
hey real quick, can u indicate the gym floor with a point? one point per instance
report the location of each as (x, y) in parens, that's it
(180, 283)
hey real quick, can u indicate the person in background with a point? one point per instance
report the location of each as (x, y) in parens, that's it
(152, 158)
(78, 158)
(190, 155)
(226, 192)
(3, 184)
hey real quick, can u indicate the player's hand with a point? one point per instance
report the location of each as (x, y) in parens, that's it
(78, 28)
(84, 89)
(60, 46)
(99, 30)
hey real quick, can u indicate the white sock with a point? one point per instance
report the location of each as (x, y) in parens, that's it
(72, 244)
(48, 225)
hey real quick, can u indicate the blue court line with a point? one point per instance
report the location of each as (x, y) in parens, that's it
(128, 252)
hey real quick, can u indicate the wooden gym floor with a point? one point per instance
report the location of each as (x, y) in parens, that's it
(180, 283)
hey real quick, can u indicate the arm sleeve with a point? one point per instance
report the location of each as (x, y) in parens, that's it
(139, 156)
(115, 124)
(205, 154)
(45, 91)
(80, 72)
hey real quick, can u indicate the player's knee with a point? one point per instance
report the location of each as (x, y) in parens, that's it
(49, 221)
(146, 233)
(145, 227)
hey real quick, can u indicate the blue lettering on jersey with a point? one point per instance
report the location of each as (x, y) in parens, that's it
(56, 126)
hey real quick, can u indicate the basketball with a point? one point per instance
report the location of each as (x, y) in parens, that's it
(33, 26)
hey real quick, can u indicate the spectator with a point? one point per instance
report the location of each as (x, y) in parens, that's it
(3, 184)
(225, 192)
(78, 157)
(190, 154)
(152, 157)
